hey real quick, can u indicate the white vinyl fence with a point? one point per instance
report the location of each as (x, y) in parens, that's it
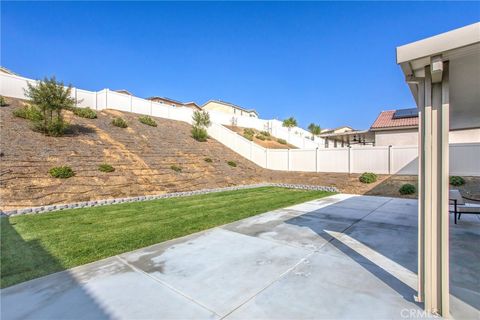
(464, 158)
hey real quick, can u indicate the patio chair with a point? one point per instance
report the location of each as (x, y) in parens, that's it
(458, 205)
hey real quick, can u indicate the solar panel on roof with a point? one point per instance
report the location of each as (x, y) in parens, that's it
(406, 113)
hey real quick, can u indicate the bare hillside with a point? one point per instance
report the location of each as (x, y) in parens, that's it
(142, 156)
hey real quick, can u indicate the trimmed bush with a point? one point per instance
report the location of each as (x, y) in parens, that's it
(368, 177)
(199, 133)
(265, 133)
(28, 112)
(209, 160)
(176, 168)
(148, 121)
(232, 163)
(105, 167)
(119, 122)
(282, 141)
(248, 131)
(260, 137)
(407, 188)
(248, 136)
(3, 102)
(457, 181)
(85, 113)
(63, 172)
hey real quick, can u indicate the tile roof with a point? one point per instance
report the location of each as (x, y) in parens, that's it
(385, 120)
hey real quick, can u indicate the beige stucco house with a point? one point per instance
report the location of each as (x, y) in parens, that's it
(400, 128)
(230, 108)
(174, 103)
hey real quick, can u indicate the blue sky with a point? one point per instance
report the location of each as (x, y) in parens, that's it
(329, 63)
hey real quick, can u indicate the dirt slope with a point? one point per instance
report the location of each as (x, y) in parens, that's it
(142, 156)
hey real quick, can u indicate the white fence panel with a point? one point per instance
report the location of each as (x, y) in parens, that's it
(277, 159)
(465, 159)
(371, 159)
(259, 155)
(242, 146)
(102, 99)
(333, 160)
(141, 106)
(118, 101)
(13, 86)
(303, 160)
(160, 110)
(181, 114)
(404, 160)
(85, 98)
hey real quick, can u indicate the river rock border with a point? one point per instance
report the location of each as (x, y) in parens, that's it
(97, 203)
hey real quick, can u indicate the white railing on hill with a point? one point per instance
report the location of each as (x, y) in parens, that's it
(309, 158)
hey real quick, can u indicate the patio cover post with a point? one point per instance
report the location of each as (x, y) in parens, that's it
(433, 255)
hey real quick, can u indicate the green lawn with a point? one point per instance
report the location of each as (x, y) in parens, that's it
(37, 245)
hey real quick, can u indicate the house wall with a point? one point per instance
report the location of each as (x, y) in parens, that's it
(408, 137)
(216, 106)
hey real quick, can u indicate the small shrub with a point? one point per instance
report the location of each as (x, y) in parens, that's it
(260, 137)
(148, 121)
(368, 177)
(201, 119)
(3, 102)
(199, 133)
(85, 113)
(407, 188)
(457, 181)
(105, 167)
(176, 168)
(119, 122)
(248, 131)
(232, 163)
(248, 136)
(265, 133)
(63, 172)
(282, 141)
(209, 160)
(28, 112)
(55, 128)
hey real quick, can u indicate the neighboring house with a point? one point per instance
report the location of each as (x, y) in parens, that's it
(346, 136)
(400, 127)
(192, 105)
(230, 108)
(174, 103)
(123, 91)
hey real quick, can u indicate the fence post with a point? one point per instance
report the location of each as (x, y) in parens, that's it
(389, 159)
(106, 98)
(131, 103)
(251, 150)
(76, 99)
(266, 158)
(316, 159)
(349, 159)
(96, 100)
(151, 108)
(288, 159)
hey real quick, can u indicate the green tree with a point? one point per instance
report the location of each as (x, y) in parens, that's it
(314, 129)
(50, 98)
(201, 121)
(289, 123)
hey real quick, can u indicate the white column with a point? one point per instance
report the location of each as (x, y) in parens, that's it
(433, 235)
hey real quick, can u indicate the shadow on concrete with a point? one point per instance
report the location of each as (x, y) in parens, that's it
(27, 259)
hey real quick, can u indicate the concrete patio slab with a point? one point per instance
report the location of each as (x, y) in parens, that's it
(338, 257)
(220, 269)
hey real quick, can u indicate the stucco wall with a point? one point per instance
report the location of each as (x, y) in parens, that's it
(396, 137)
(212, 105)
(410, 137)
